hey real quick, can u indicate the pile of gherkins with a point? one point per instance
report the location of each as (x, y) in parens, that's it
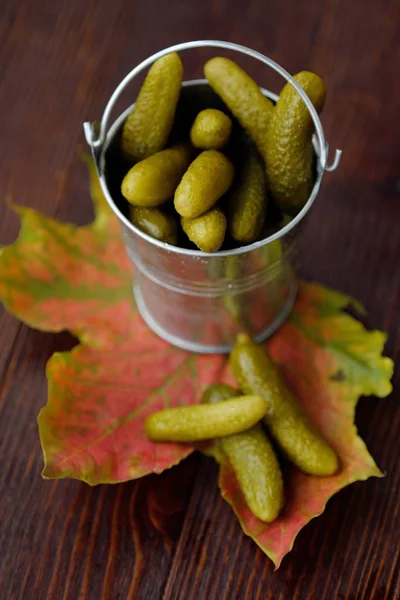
(243, 425)
(192, 185)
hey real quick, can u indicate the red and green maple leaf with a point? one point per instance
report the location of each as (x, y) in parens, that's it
(57, 276)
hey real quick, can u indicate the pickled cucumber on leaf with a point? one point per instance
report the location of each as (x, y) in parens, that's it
(254, 461)
(206, 231)
(209, 176)
(148, 126)
(153, 181)
(218, 393)
(242, 96)
(205, 421)
(155, 223)
(289, 150)
(288, 424)
(211, 129)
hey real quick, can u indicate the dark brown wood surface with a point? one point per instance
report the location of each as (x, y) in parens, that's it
(172, 536)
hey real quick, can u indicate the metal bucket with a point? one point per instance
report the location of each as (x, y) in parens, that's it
(195, 300)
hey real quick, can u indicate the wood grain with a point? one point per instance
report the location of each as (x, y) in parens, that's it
(172, 536)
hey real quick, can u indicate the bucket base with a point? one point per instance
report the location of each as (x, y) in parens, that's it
(203, 348)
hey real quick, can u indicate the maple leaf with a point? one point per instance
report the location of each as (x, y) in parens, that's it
(57, 276)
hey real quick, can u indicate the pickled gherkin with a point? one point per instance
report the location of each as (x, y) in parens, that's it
(254, 461)
(153, 181)
(211, 129)
(219, 392)
(242, 96)
(148, 126)
(209, 176)
(207, 231)
(155, 223)
(248, 202)
(203, 421)
(256, 374)
(289, 148)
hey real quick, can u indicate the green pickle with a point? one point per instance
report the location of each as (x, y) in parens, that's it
(155, 223)
(148, 126)
(248, 202)
(153, 181)
(242, 96)
(207, 231)
(209, 176)
(205, 421)
(289, 149)
(219, 392)
(211, 129)
(254, 461)
(256, 374)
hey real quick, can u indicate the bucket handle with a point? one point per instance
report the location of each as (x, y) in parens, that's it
(96, 133)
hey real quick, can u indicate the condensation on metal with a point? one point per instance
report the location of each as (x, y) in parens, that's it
(187, 296)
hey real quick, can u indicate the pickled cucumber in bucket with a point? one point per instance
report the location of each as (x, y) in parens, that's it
(153, 181)
(289, 148)
(154, 222)
(211, 130)
(209, 176)
(242, 96)
(148, 126)
(248, 202)
(206, 231)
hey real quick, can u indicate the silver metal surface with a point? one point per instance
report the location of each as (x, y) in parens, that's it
(200, 301)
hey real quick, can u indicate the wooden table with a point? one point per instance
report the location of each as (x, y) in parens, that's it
(172, 536)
